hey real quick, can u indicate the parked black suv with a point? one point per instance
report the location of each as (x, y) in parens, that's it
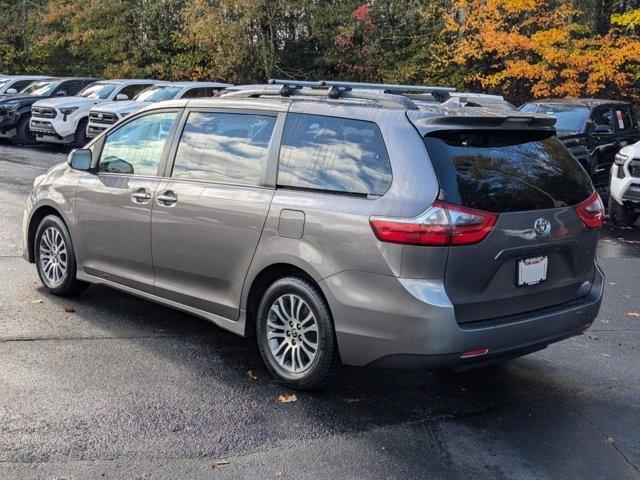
(15, 111)
(593, 130)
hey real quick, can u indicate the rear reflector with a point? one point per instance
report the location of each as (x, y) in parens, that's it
(591, 211)
(476, 352)
(442, 224)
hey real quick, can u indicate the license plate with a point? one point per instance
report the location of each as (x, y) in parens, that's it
(532, 270)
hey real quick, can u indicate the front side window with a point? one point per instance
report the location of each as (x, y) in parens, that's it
(40, 89)
(99, 91)
(602, 117)
(333, 154)
(132, 90)
(136, 147)
(227, 148)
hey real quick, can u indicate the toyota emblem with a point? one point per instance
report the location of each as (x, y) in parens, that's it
(542, 226)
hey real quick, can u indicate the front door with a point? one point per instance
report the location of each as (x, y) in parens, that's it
(113, 207)
(208, 216)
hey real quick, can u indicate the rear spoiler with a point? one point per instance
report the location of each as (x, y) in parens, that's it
(479, 118)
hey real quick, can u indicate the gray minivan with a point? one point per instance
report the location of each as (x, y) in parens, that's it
(339, 223)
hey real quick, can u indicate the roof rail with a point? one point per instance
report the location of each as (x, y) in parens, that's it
(317, 89)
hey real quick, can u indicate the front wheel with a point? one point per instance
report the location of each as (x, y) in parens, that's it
(24, 135)
(80, 138)
(55, 258)
(621, 215)
(295, 333)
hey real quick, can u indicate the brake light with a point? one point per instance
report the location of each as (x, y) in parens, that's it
(591, 211)
(442, 224)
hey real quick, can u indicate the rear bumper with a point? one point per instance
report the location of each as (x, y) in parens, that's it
(390, 322)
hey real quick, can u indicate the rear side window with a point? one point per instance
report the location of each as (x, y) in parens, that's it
(331, 154)
(500, 171)
(227, 148)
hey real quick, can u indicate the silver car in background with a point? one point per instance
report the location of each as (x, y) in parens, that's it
(338, 223)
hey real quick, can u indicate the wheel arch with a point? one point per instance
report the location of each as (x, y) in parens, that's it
(263, 279)
(36, 217)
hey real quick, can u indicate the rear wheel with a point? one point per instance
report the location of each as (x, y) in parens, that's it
(24, 135)
(295, 333)
(55, 258)
(80, 137)
(621, 215)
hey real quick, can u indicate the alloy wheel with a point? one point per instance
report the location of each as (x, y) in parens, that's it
(292, 333)
(53, 256)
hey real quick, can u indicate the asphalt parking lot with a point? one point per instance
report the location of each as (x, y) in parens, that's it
(107, 385)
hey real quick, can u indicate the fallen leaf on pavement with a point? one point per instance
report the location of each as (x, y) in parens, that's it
(605, 355)
(278, 475)
(220, 464)
(40, 300)
(286, 398)
(69, 309)
(252, 376)
(633, 314)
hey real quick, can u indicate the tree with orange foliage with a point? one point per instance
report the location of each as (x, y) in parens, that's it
(536, 48)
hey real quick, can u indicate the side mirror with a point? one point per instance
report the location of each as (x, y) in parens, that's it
(603, 130)
(61, 93)
(11, 91)
(80, 159)
(122, 96)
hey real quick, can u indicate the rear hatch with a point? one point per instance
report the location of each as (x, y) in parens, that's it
(540, 252)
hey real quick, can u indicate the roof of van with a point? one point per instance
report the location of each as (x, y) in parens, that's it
(198, 84)
(582, 102)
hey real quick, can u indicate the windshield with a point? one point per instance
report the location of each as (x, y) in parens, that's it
(40, 89)
(158, 93)
(568, 117)
(100, 91)
(506, 171)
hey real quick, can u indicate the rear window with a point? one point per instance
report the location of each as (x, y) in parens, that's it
(506, 171)
(569, 118)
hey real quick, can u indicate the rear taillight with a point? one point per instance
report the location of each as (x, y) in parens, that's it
(442, 224)
(591, 211)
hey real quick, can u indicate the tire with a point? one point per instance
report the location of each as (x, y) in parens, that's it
(621, 215)
(59, 274)
(24, 135)
(80, 138)
(289, 354)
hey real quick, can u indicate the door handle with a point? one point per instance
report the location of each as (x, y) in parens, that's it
(167, 199)
(141, 195)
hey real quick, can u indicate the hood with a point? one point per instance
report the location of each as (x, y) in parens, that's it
(568, 133)
(67, 102)
(21, 99)
(632, 151)
(122, 107)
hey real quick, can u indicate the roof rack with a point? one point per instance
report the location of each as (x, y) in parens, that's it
(391, 95)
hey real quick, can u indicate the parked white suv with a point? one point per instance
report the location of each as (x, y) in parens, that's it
(104, 115)
(624, 188)
(64, 120)
(13, 84)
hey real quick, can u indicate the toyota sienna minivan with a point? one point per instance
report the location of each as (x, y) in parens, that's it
(338, 223)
